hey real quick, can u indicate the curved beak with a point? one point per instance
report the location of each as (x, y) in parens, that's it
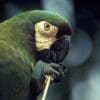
(59, 49)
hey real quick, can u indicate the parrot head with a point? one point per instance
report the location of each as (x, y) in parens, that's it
(52, 36)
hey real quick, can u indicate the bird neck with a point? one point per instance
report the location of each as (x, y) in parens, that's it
(17, 36)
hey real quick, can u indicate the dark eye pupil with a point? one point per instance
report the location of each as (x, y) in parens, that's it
(47, 25)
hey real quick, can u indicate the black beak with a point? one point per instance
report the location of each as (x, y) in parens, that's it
(56, 53)
(59, 50)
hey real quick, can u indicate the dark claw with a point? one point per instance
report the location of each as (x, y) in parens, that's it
(56, 71)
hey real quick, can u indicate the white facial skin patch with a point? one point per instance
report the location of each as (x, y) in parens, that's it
(45, 35)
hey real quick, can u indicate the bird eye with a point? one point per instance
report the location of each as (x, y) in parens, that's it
(46, 27)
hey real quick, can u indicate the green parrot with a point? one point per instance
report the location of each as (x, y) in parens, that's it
(26, 39)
